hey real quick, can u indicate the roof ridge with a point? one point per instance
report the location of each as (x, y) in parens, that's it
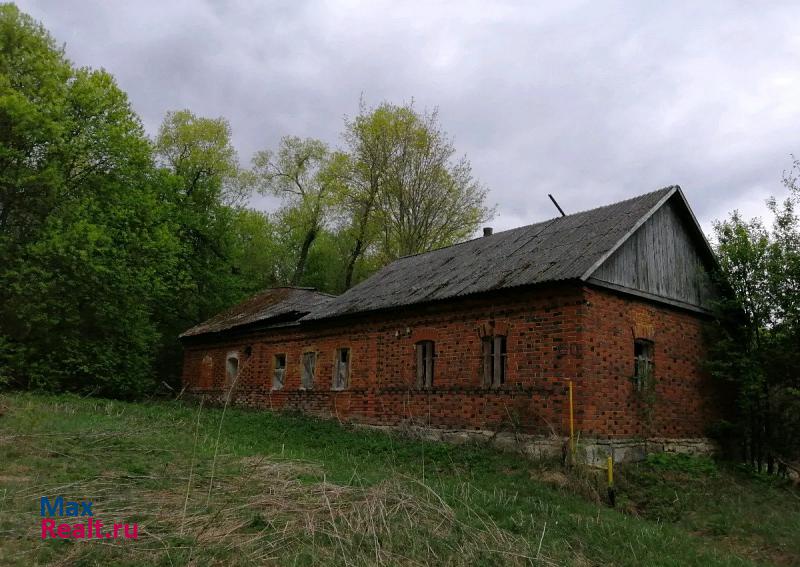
(551, 219)
(634, 198)
(296, 287)
(554, 249)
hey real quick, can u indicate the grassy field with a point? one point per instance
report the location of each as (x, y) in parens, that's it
(291, 490)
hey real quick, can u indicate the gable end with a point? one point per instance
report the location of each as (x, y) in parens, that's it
(665, 258)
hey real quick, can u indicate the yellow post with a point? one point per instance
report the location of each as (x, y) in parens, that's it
(612, 494)
(571, 424)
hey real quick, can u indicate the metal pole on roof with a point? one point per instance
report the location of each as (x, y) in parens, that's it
(560, 210)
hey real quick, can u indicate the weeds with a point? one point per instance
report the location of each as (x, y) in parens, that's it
(294, 490)
(694, 465)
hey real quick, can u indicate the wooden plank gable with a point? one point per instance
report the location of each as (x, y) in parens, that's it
(664, 258)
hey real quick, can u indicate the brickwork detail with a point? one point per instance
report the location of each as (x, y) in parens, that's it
(554, 335)
(685, 401)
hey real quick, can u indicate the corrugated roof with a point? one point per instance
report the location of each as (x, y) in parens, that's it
(561, 248)
(272, 306)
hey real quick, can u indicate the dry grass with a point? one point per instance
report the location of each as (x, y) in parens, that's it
(287, 490)
(262, 511)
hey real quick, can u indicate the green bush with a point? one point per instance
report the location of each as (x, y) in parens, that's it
(694, 465)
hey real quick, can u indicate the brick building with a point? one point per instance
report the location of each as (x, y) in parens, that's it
(486, 335)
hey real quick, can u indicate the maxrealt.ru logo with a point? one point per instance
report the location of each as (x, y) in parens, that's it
(90, 529)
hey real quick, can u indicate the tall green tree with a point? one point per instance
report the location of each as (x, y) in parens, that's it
(34, 91)
(755, 336)
(200, 152)
(86, 240)
(408, 192)
(370, 147)
(206, 186)
(304, 174)
(261, 254)
(431, 199)
(202, 178)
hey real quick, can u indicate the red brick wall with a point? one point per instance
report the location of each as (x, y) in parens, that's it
(684, 402)
(544, 351)
(554, 335)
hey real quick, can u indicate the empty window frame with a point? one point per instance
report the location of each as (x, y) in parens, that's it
(279, 372)
(493, 351)
(643, 365)
(309, 370)
(231, 368)
(425, 354)
(341, 369)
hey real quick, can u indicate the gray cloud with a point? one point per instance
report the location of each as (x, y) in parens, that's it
(590, 101)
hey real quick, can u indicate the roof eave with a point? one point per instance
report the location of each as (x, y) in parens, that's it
(283, 320)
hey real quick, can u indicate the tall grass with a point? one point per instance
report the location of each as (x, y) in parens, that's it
(296, 491)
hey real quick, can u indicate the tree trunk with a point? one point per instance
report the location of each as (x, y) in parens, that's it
(358, 249)
(3, 215)
(759, 437)
(311, 235)
(753, 438)
(767, 428)
(351, 263)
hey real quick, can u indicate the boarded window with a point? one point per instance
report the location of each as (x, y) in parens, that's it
(643, 366)
(231, 369)
(341, 369)
(309, 370)
(207, 372)
(279, 373)
(493, 353)
(425, 355)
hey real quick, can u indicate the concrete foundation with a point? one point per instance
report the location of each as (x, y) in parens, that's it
(593, 452)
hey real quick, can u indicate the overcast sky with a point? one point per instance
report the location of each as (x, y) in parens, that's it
(591, 101)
